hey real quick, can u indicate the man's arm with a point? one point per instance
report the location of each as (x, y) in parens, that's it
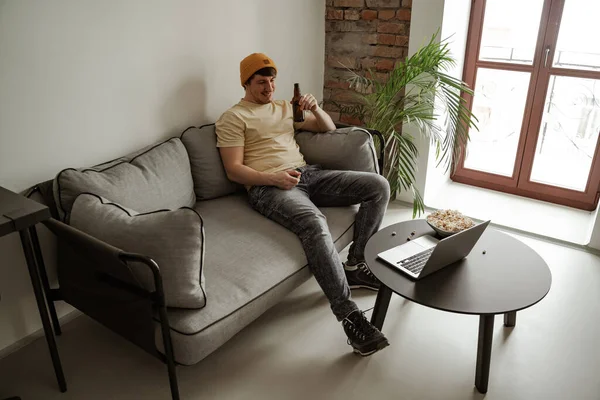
(233, 161)
(317, 120)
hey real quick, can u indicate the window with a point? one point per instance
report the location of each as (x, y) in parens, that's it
(535, 69)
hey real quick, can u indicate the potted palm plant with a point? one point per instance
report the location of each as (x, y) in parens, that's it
(418, 93)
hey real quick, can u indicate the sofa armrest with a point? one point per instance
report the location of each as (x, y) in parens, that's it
(345, 148)
(109, 262)
(115, 300)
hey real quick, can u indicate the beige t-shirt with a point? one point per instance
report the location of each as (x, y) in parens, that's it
(266, 131)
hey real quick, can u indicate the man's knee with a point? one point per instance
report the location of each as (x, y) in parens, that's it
(380, 186)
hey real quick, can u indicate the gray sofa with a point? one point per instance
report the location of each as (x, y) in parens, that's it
(160, 247)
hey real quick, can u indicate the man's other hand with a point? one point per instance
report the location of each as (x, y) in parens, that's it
(286, 179)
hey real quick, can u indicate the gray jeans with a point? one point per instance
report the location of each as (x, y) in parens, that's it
(296, 209)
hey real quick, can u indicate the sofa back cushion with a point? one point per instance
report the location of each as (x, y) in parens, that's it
(157, 177)
(350, 148)
(208, 173)
(172, 238)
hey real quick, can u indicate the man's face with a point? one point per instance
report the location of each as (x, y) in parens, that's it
(260, 89)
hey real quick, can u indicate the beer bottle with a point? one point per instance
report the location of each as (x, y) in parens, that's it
(298, 113)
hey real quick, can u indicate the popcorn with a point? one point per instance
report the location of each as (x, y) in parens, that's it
(450, 220)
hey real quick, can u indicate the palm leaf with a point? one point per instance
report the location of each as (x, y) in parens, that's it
(421, 94)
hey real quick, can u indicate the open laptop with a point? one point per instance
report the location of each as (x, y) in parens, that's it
(426, 254)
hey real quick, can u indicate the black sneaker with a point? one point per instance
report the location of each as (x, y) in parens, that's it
(360, 276)
(364, 338)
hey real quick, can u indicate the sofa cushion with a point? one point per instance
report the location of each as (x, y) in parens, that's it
(174, 239)
(208, 173)
(251, 263)
(349, 148)
(154, 178)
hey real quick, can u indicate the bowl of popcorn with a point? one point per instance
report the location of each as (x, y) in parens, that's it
(448, 222)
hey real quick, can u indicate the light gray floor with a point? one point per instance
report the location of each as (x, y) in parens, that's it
(298, 351)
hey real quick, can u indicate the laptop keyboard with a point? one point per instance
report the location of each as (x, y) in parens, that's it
(416, 263)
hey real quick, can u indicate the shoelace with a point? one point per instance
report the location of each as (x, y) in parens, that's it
(361, 327)
(363, 267)
(354, 332)
(365, 325)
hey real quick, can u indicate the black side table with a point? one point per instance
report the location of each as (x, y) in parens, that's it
(20, 214)
(501, 275)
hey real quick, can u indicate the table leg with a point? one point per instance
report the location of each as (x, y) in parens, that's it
(510, 319)
(381, 305)
(44, 276)
(484, 352)
(26, 242)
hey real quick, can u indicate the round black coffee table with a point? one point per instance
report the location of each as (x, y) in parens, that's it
(501, 275)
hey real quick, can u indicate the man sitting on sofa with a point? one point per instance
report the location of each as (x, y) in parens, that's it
(256, 141)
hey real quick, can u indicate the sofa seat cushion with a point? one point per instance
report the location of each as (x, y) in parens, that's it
(174, 239)
(251, 263)
(157, 177)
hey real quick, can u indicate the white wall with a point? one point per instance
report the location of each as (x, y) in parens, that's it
(426, 19)
(451, 18)
(85, 81)
(595, 235)
(455, 27)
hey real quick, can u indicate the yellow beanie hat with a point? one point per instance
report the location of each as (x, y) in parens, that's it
(253, 63)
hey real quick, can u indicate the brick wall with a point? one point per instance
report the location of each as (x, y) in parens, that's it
(361, 35)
